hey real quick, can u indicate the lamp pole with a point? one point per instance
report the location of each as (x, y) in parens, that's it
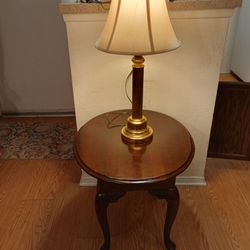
(137, 131)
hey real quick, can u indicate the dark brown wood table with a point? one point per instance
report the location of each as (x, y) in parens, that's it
(120, 168)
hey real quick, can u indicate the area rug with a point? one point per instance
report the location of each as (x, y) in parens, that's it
(33, 139)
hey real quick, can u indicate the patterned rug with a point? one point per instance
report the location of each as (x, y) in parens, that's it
(37, 138)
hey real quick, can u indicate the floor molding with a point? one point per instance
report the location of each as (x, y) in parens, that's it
(88, 181)
(38, 114)
(191, 181)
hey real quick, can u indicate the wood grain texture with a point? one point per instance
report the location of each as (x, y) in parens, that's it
(229, 77)
(230, 134)
(121, 167)
(101, 152)
(42, 207)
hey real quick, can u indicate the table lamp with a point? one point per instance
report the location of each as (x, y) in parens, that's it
(138, 28)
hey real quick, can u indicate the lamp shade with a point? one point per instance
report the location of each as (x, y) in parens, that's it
(137, 27)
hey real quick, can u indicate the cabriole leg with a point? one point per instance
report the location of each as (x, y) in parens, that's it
(101, 205)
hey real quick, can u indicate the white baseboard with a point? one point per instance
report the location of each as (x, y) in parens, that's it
(191, 181)
(88, 181)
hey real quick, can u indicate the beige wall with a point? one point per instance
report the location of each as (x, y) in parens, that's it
(241, 52)
(230, 39)
(182, 83)
(34, 66)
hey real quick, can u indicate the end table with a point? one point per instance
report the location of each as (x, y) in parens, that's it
(120, 168)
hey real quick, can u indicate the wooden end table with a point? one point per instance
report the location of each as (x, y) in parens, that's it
(119, 168)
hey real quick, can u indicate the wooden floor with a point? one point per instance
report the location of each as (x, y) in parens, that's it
(228, 77)
(42, 207)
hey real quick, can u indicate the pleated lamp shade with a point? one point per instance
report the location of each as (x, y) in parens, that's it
(137, 27)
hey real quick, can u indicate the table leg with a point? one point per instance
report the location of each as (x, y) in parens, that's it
(171, 195)
(101, 205)
(173, 205)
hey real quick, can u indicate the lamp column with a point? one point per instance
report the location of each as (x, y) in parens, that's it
(137, 131)
(137, 93)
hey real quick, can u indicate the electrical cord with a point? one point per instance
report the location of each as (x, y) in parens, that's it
(126, 86)
(116, 114)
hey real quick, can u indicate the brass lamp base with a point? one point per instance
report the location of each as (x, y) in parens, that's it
(137, 131)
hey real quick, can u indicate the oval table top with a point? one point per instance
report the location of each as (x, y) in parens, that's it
(101, 152)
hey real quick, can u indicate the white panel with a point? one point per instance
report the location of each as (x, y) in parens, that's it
(241, 52)
(229, 43)
(182, 83)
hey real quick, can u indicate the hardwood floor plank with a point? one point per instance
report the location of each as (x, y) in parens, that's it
(228, 77)
(235, 210)
(42, 207)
